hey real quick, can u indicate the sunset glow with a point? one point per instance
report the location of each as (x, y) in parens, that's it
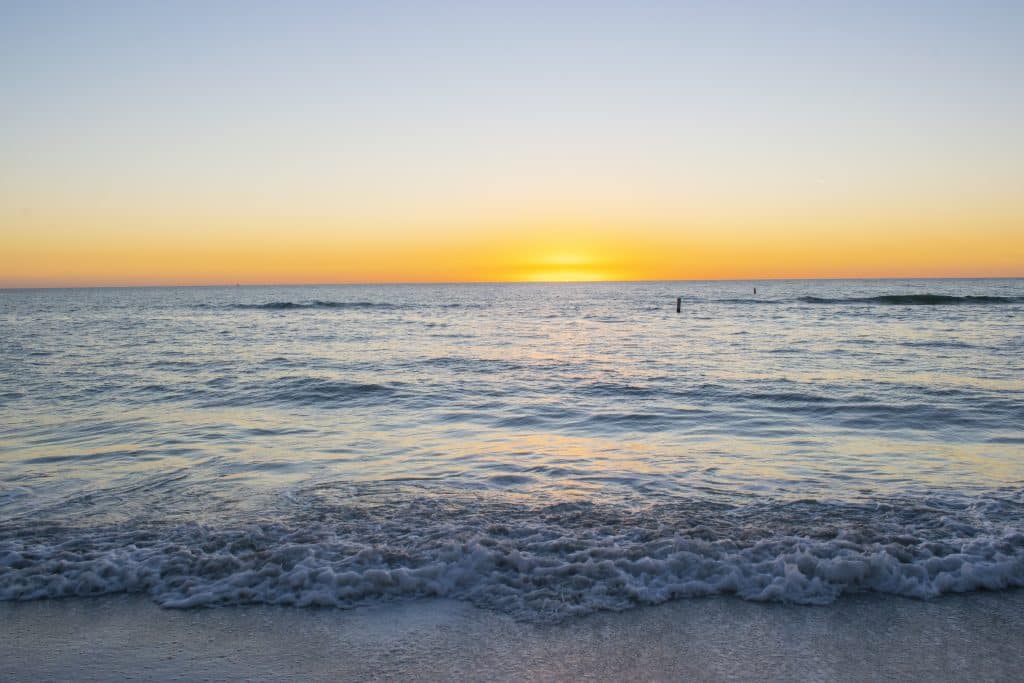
(529, 144)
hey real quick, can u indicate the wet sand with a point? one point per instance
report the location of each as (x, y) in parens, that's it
(862, 638)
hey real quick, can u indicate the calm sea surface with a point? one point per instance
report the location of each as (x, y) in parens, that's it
(543, 450)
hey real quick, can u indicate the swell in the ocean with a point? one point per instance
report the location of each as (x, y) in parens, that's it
(327, 305)
(301, 305)
(915, 300)
(884, 299)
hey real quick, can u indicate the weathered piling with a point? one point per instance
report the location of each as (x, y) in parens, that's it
(679, 304)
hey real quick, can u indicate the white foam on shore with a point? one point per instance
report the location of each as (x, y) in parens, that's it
(545, 566)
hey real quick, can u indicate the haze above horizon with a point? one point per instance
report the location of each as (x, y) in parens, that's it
(211, 143)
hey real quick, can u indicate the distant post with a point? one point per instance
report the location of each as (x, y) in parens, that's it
(679, 304)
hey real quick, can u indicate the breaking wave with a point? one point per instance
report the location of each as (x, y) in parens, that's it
(884, 299)
(330, 305)
(915, 300)
(291, 305)
(543, 563)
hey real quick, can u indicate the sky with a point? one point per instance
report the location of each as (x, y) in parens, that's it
(151, 143)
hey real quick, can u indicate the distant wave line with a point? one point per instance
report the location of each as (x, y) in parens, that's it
(290, 305)
(883, 299)
(321, 304)
(916, 300)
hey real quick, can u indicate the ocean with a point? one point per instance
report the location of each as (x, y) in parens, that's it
(541, 450)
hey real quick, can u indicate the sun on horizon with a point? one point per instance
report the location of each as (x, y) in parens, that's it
(185, 145)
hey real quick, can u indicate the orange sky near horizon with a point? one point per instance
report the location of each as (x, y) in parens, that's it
(207, 143)
(44, 252)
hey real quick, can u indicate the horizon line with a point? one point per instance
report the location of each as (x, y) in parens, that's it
(498, 282)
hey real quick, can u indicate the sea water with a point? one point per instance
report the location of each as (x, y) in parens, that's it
(539, 449)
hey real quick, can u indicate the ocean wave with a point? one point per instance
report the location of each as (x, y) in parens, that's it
(882, 299)
(535, 563)
(339, 305)
(303, 390)
(914, 300)
(293, 305)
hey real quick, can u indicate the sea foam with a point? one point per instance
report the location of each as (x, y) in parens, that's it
(538, 564)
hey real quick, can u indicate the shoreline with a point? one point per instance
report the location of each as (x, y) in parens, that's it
(862, 637)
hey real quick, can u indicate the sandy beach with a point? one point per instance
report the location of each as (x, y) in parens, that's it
(973, 637)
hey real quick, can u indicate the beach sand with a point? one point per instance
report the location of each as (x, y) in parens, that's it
(869, 637)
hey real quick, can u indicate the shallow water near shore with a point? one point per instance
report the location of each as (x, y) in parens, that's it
(542, 451)
(859, 638)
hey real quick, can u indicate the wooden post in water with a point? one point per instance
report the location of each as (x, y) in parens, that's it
(679, 304)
